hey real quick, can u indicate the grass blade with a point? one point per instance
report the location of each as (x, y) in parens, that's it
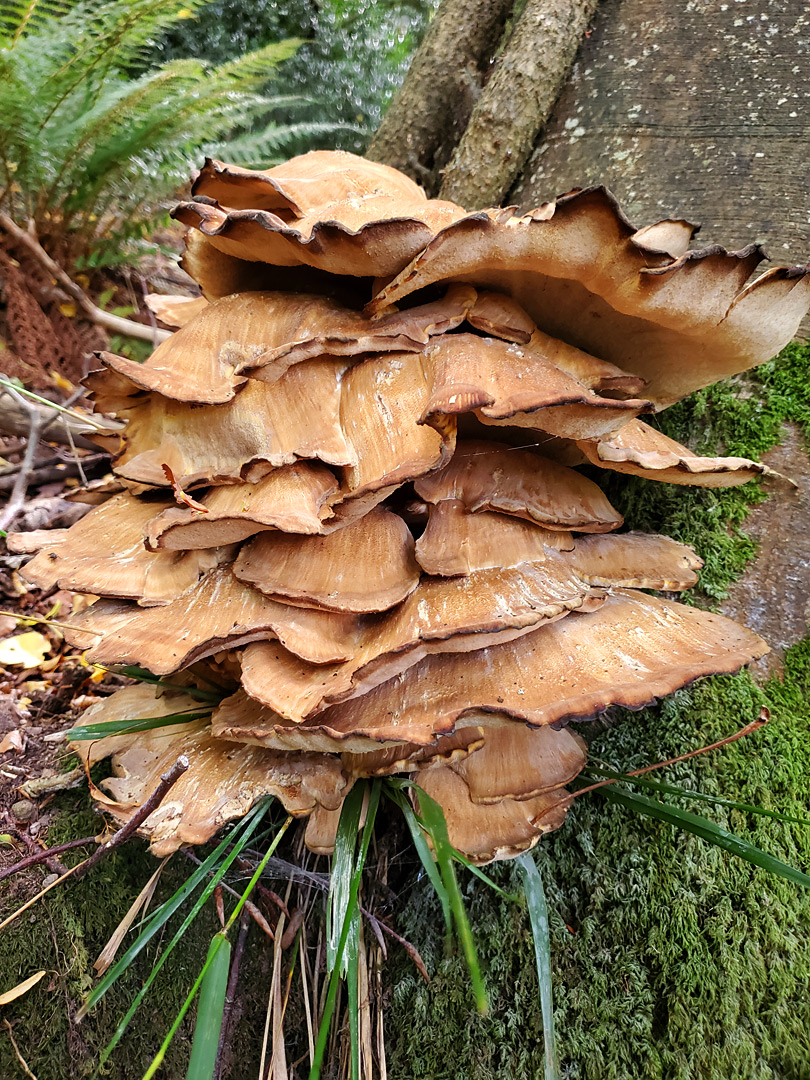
(104, 728)
(219, 942)
(538, 916)
(352, 986)
(423, 851)
(707, 830)
(684, 793)
(252, 823)
(433, 817)
(210, 1010)
(340, 882)
(349, 912)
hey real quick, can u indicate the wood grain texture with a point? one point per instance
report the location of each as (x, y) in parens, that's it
(696, 108)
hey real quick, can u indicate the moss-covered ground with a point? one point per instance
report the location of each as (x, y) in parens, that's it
(671, 959)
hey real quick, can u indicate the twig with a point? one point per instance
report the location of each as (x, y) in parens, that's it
(115, 323)
(230, 992)
(167, 781)
(16, 499)
(755, 725)
(123, 834)
(44, 855)
(20, 1058)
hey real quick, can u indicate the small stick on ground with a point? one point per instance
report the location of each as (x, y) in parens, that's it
(20, 1058)
(44, 855)
(116, 840)
(114, 323)
(16, 500)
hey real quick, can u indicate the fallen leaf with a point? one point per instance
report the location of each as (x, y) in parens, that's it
(21, 988)
(25, 650)
(12, 740)
(68, 310)
(60, 380)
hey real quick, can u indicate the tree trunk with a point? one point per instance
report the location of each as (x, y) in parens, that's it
(431, 110)
(516, 101)
(689, 109)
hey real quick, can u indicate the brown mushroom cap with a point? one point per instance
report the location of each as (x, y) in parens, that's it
(489, 832)
(576, 267)
(635, 561)
(518, 385)
(222, 782)
(494, 476)
(366, 566)
(303, 183)
(632, 650)
(175, 309)
(296, 417)
(458, 614)
(447, 750)
(104, 553)
(381, 405)
(327, 209)
(639, 450)
(220, 613)
(342, 332)
(456, 541)
(203, 362)
(295, 498)
(520, 762)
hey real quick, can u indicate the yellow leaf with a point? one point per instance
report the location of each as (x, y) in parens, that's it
(21, 988)
(83, 280)
(68, 310)
(27, 650)
(59, 380)
(185, 13)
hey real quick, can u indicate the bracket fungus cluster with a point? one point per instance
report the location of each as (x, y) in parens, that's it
(348, 497)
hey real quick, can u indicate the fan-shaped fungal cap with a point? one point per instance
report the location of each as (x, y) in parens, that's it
(494, 476)
(517, 384)
(222, 781)
(489, 832)
(519, 762)
(447, 750)
(295, 498)
(296, 417)
(343, 332)
(640, 450)
(568, 669)
(366, 566)
(220, 613)
(302, 184)
(328, 209)
(441, 615)
(576, 267)
(104, 553)
(635, 561)
(175, 309)
(456, 541)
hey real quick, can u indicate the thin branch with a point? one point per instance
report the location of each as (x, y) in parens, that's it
(16, 500)
(115, 323)
(755, 725)
(44, 855)
(123, 834)
(167, 781)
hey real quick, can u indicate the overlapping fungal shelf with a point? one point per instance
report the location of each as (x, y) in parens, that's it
(349, 497)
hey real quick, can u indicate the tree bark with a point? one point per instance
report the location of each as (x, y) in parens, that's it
(426, 118)
(516, 101)
(692, 109)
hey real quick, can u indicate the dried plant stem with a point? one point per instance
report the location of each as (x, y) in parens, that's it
(16, 500)
(755, 725)
(116, 840)
(20, 1058)
(44, 855)
(114, 323)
